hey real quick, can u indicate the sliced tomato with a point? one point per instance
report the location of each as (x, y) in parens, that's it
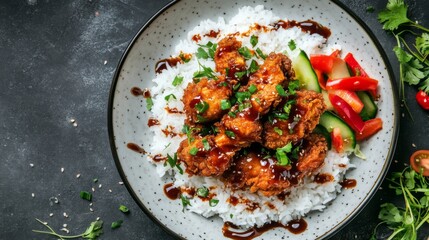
(352, 84)
(351, 98)
(357, 70)
(420, 162)
(370, 128)
(337, 140)
(347, 113)
(335, 53)
(321, 78)
(321, 62)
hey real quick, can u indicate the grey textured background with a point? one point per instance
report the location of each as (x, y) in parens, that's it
(57, 60)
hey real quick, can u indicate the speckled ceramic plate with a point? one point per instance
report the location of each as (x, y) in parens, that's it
(128, 119)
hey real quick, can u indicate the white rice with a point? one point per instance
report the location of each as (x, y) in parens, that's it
(303, 198)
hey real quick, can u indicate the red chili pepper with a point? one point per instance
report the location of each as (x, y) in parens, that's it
(347, 113)
(352, 84)
(323, 63)
(370, 128)
(423, 99)
(354, 66)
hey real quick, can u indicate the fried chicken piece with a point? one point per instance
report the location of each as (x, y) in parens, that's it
(205, 92)
(241, 126)
(259, 172)
(314, 150)
(276, 70)
(203, 157)
(228, 57)
(303, 118)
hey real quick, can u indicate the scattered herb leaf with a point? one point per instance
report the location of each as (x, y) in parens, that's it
(116, 224)
(245, 52)
(213, 202)
(193, 151)
(149, 103)
(203, 192)
(177, 80)
(253, 40)
(86, 195)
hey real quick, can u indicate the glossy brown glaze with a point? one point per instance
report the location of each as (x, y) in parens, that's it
(136, 91)
(309, 26)
(152, 122)
(136, 148)
(173, 110)
(171, 192)
(233, 232)
(158, 158)
(212, 34)
(162, 64)
(348, 183)
(323, 178)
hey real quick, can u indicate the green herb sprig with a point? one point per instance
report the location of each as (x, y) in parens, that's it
(94, 230)
(406, 221)
(413, 61)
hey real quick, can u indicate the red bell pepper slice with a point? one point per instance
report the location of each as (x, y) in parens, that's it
(354, 66)
(337, 140)
(335, 54)
(323, 63)
(352, 84)
(347, 113)
(350, 98)
(370, 128)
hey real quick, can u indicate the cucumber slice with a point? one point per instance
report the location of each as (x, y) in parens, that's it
(330, 121)
(305, 73)
(339, 69)
(327, 101)
(319, 129)
(369, 110)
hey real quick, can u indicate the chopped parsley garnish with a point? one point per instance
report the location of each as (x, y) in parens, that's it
(200, 118)
(245, 52)
(208, 53)
(281, 156)
(172, 161)
(227, 72)
(123, 209)
(177, 80)
(253, 40)
(292, 45)
(231, 215)
(206, 144)
(253, 67)
(169, 96)
(236, 87)
(232, 114)
(252, 89)
(293, 86)
(205, 72)
(86, 195)
(278, 131)
(225, 104)
(149, 103)
(201, 107)
(223, 84)
(370, 9)
(116, 224)
(281, 91)
(242, 106)
(203, 192)
(213, 202)
(260, 54)
(230, 134)
(193, 151)
(185, 202)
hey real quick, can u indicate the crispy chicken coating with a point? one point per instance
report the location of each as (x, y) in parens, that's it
(205, 95)
(241, 126)
(259, 172)
(228, 57)
(303, 118)
(276, 70)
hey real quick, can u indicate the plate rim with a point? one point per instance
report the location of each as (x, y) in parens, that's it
(340, 225)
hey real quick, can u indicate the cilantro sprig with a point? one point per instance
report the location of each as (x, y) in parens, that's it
(94, 230)
(413, 61)
(405, 221)
(206, 51)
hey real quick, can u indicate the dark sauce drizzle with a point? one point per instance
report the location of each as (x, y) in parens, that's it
(136, 148)
(136, 91)
(171, 192)
(309, 26)
(348, 183)
(231, 231)
(162, 64)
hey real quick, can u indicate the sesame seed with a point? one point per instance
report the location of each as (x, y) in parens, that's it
(78, 175)
(51, 214)
(99, 186)
(65, 225)
(98, 218)
(110, 190)
(414, 145)
(62, 169)
(32, 195)
(72, 120)
(65, 230)
(105, 62)
(93, 189)
(31, 165)
(90, 209)
(90, 204)
(65, 215)
(121, 183)
(75, 124)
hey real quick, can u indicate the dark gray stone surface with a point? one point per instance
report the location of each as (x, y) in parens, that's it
(57, 62)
